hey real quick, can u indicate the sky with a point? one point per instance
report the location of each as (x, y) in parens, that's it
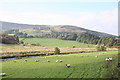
(101, 15)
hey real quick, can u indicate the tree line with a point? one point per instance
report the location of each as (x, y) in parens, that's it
(84, 37)
(79, 37)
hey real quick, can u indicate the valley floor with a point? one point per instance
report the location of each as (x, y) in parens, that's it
(83, 65)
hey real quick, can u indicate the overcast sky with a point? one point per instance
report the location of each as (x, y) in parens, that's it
(94, 15)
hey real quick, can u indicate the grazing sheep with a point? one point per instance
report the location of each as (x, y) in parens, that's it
(36, 60)
(3, 74)
(107, 59)
(110, 59)
(96, 56)
(26, 60)
(14, 61)
(67, 65)
(61, 61)
(48, 60)
(57, 60)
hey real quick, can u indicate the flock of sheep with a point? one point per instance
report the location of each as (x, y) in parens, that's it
(47, 61)
(67, 65)
(39, 60)
(108, 59)
(59, 61)
(3, 74)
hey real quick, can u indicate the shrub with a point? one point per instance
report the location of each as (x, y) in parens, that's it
(7, 39)
(57, 50)
(101, 48)
(73, 46)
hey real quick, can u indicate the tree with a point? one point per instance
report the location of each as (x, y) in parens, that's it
(7, 39)
(110, 42)
(72, 36)
(57, 50)
(17, 38)
(101, 48)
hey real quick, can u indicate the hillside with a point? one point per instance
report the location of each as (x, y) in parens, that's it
(50, 28)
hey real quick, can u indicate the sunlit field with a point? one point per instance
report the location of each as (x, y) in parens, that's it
(55, 42)
(83, 65)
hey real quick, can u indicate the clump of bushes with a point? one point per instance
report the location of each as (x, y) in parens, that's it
(57, 50)
(7, 39)
(36, 44)
(101, 48)
(73, 46)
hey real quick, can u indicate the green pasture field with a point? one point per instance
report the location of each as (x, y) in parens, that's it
(83, 65)
(55, 42)
(35, 33)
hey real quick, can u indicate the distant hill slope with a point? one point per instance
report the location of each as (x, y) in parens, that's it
(56, 28)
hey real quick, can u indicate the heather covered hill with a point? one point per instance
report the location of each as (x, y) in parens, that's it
(51, 28)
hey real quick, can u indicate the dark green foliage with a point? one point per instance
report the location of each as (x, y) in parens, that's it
(101, 48)
(72, 36)
(6, 39)
(57, 50)
(87, 38)
(73, 46)
(79, 37)
(36, 44)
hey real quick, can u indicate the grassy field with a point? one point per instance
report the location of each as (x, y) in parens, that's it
(55, 42)
(83, 65)
(20, 48)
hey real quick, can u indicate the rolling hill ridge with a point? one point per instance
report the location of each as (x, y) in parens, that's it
(50, 28)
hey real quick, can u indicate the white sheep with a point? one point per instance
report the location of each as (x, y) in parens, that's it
(48, 60)
(36, 60)
(14, 61)
(57, 60)
(26, 60)
(110, 59)
(107, 59)
(68, 65)
(3, 74)
(96, 56)
(61, 61)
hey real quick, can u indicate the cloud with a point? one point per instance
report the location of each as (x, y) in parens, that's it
(104, 21)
